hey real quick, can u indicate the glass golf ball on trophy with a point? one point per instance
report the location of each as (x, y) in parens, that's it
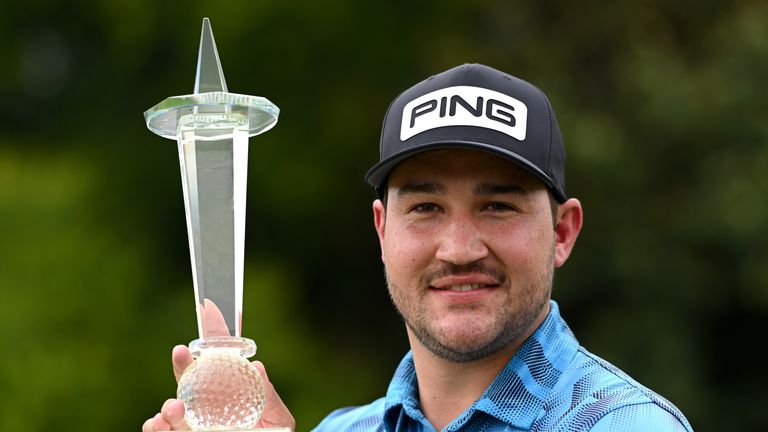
(221, 389)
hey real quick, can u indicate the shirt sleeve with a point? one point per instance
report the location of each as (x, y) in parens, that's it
(646, 417)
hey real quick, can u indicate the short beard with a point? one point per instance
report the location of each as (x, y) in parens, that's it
(513, 329)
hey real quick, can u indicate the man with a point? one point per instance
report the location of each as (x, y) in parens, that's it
(473, 219)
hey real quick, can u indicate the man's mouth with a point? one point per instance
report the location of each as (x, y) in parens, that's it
(464, 287)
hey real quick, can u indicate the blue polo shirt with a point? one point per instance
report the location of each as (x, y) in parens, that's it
(550, 384)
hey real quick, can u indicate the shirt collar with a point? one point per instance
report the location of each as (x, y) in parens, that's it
(515, 396)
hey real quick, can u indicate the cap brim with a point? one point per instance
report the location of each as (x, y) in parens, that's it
(379, 172)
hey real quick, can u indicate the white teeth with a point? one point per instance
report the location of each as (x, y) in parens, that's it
(465, 287)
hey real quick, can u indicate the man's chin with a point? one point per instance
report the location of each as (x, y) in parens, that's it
(468, 334)
(464, 354)
(460, 345)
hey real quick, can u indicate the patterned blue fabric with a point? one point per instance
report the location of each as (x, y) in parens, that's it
(551, 384)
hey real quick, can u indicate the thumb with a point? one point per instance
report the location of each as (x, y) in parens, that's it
(181, 359)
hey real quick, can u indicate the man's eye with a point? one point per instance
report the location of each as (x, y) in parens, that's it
(426, 208)
(499, 206)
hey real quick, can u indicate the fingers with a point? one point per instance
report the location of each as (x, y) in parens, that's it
(181, 358)
(173, 413)
(276, 414)
(155, 424)
(170, 418)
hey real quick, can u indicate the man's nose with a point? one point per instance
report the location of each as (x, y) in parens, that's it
(461, 243)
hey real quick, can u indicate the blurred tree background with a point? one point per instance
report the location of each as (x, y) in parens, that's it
(663, 110)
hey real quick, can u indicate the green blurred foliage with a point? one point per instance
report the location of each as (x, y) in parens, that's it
(662, 106)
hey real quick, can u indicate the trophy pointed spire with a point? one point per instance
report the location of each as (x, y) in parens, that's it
(210, 77)
(211, 96)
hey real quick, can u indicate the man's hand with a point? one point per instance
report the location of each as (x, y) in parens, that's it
(171, 415)
(170, 418)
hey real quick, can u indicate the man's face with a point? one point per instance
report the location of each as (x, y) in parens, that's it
(469, 248)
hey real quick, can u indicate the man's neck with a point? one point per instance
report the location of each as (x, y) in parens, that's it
(446, 389)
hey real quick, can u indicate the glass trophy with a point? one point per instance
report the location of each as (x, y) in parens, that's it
(221, 389)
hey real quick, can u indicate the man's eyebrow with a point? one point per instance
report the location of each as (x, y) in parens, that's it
(425, 188)
(499, 189)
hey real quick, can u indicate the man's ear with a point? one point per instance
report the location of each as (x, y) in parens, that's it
(569, 220)
(379, 221)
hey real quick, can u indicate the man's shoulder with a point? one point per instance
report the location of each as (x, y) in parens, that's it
(596, 378)
(597, 396)
(366, 418)
(645, 417)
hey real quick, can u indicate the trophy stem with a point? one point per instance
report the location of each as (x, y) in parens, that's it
(213, 155)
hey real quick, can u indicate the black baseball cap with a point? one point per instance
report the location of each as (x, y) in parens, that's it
(477, 107)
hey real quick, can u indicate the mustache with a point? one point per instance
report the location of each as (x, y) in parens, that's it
(448, 269)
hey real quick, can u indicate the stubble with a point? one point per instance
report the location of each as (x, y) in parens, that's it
(514, 316)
